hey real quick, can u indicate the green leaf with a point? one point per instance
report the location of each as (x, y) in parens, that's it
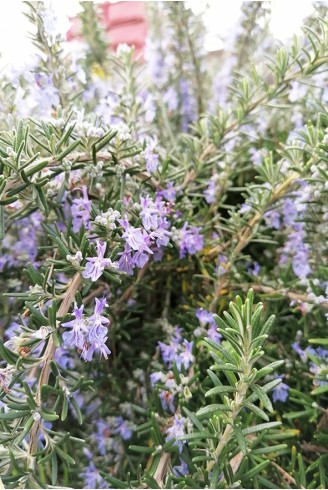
(150, 481)
(260, 427)
(220, 349)
(54, 468)
(66, 458)
(13, 414)
(211, 409)
(77, 410)
(105, 140)
(258, 411)
(320, 390)
(142, 449)
(193, 418)
(68, 150)
(220, 389)
(263, 397)
(240, 439)
(319, 341)
(268, 369)
(300, 476)
(64, 410)
(25, 431)
(48, 416)
(196, 435)
(7, 355)
(269, 449)
(113, 481)
(268, 325)
(254, 471)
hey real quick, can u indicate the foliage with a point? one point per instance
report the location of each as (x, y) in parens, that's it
(140, 202)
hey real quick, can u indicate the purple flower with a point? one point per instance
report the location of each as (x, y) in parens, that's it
(140, 259)
(81, 208)
(167, 400)
(289, 212)
(181, 470)
(101, 436)
(126, 263)
(97, 345)
(78, 325)
(149, 213)
(280, 392)
(169, 351)
(152, 159)
(176, 430)
(272, 219)
(92, 478)
(169, 193)
(156, 377)
(135, 237)
(97, 322)
(96, 265)
(213, 333)
(255, 269)
(205, 317)
(190, 240)
(185, 357)
(211, 192)
(123, 428)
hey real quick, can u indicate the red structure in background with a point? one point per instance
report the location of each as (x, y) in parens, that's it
(124, 22)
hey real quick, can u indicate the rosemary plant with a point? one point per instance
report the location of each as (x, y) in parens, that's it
(140, 201)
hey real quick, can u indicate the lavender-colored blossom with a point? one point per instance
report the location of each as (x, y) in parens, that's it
(21, 246)
(149, 213)
(176, 430)
(190, 240)
(96, 265)
(98, 345)
(169, 193)
(135, 237)
(151, 158)
(156, 377)
(186, 356)
(272, 219)
(64, 359)
(180, 470)
(169, 352)
(213, 333)
(254, 270)
(92, 478)
(289, 212)
(98, 324)
(170, 98)
(140, 259)
(123, 428)
(167, 400)
(126, 263)
(205, 317)
(78, 326)
(210, 192)
(101, 435)
(299, 251)
(280, 392)
(81, 209)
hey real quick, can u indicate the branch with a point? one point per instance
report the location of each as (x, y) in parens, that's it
(48, 357)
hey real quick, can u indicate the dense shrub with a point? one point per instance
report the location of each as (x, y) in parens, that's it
(164, 279)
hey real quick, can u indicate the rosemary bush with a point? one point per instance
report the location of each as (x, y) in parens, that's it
(164, 279)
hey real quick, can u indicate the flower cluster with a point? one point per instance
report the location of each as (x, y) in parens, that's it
(88, 334)
(148, 240)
